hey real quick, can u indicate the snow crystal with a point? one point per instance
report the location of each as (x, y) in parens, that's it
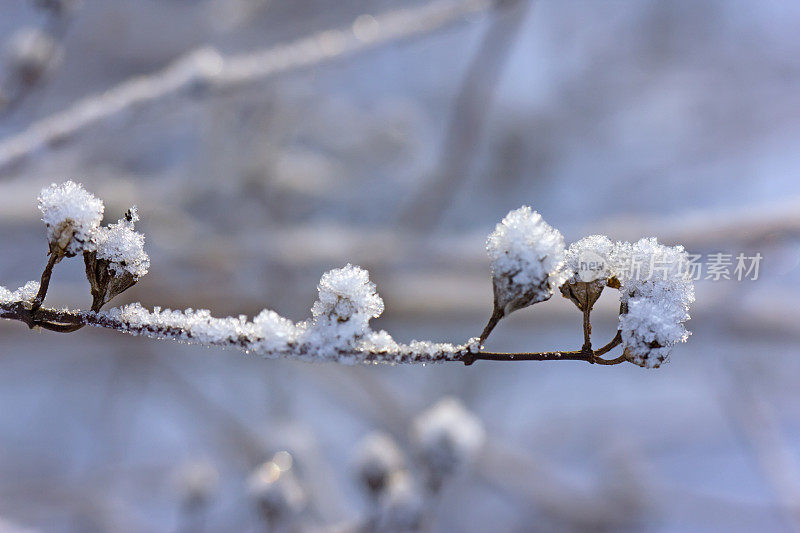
(122, 247)
(588, 259)
(338, 329)
(527, 257)
(345, 293)
(340, 317)
(657, 292)
(25, 293)
(448, 436)
(273, 332)
(71, 215)
(197, 326)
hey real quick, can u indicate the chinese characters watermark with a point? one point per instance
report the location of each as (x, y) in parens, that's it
(715, 266)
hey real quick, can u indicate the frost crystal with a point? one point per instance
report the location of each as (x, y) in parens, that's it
(273, 333)
(588, 259)
(447, 436)
(346, 293)
(340, 316)
(123, 247)
(25, 293)
(657, 293)
(71, 215)
(527, 257)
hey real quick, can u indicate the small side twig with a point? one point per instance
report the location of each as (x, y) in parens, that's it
(45, 283)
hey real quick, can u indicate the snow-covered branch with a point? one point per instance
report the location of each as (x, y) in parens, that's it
(529, 263)
(206, 69)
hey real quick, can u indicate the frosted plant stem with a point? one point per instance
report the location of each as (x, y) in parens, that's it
(205, 69)
(587, 329)
(66, 321)
(45, 283)
(497, 314)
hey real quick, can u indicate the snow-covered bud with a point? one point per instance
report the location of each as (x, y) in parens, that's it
(116, 260)
(340, 316)
(276, 492)
(31, 52)
(589, 270)
(447, 436)
(347, 294)
(402, 507)
(196, 483)
(657, 292)
(378, 458)
(72, 216)
(527, 257)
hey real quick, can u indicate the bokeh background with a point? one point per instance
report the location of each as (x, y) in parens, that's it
(677, 119)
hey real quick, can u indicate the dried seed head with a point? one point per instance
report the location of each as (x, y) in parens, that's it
(72, 216)
(583, 294)
(116, 260)
(527, 257)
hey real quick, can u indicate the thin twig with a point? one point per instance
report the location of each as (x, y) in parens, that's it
(45, 282)
(469, 118)
(206, 69)
(65, 321)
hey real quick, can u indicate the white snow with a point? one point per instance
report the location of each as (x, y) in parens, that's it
(346, 293)
(588, 258)
(25, 293)
(658, 292)
(655, 287)
(122, 246)
(527, 257)
(71, 215)
(338, 329)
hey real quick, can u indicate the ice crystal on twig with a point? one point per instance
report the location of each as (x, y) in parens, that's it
(115, 259)
(72, 215)
(657, 292)
(25, 293)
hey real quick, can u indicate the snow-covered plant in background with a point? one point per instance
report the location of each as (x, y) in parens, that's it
(447, 436)
(277, 494)
(378, 459)
(529, 262)
(443, 440)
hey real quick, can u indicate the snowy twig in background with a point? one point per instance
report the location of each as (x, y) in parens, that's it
(529, 263)
(469, 118)
(33, 52)
(206, 68)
